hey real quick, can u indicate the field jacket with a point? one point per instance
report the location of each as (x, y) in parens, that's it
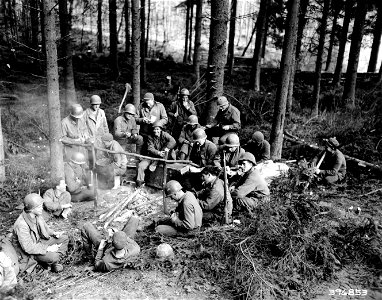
(190, 213)
(211, 197)
(204, 155)
(96, 122)
(73, 172)
(250, 184)
(230, 117)
(157, 110)
(157, 144)
(53, 202)
(262, 152)
(123, 125)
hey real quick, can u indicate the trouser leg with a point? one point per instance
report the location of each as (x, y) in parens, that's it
(131, 226)
(142, 166)
(90, 236)
(331, 179)
(167, 230)
(53, 257)
(84, 195)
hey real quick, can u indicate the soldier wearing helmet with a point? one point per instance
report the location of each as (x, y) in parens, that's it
(227, 120)
(126, 130)
(179, 112)
(74, 130)
(160, 144)
(185, 141)
(77, 180)
(187, 215)
(34, 241)
(250, 189)
(150, 111)
(259, 147)
(57, 200)
(230, 144)
(95, 119)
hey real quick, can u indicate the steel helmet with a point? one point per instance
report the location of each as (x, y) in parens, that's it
(31, 201)
(164, 251)
(258, 136)
(76, 111)
(172, 187)
(95, 99)
(199, 134)
(107, 137)
(78, 158)
(130, 109)
(222, 101)
(248, 157)
(148, 96)
(232, 140)
(185, 92)
(332, 143)
(193, 120)
(158, 124)
(119, 240)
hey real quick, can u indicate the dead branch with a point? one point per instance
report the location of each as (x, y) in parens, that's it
(372, 192)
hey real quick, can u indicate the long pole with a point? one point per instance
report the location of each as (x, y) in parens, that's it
(95, 181)
(227, 198)
(165, 208)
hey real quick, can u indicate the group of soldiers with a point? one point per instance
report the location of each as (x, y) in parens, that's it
(201, 193)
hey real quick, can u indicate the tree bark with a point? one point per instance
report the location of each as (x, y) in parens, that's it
(2, 166)
(188, 2)
(276, 137)
(143, 42)
(254, 80)
(66, 54)
(320, 52)
(380, 74)
(348, 95)
(34, 23)
(148, 27)
(217, 56)
(337, 6)
(291, 80)
(113, 38)
(231, 39)
(56, 155)
(190, 33)
(136, 51)
(42, 20)
(127, 28)
(99, 27)
(198, 35)
(343, 40)
(376, 40)
(301, 26)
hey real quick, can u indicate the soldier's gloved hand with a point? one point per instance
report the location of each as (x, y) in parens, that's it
(225, 127)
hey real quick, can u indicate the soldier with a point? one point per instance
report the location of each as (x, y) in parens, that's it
(95, 120)
(150, 111)
(250, 190)
(187, 216)
(179, 111)
(126, 129)
(334, 164)
(77, 180)
(74, 129)
(233, 152)
(57, 200)
(185, 139)
(119, 160)
(259, 147)
(227, 120)
(111, 254)
(9, 265)
(34, 241)
(159, 144)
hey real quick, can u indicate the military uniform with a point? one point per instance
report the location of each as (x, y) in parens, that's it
(77, 181)
(262, 152)
(185, 140)
(123, 125)
(53, 201)
(157, 110)
(230, 117)
(71, 132)
(183, 114)
(9, 264)
(333, 168)
(119, 160)
(232, 158)
(206, 154)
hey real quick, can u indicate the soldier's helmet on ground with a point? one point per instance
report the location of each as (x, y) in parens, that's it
(130, 109)
(78, 158)
(95, 99)
(172, 187)
(76, 111)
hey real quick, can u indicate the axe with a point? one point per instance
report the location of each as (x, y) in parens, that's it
(127, 90)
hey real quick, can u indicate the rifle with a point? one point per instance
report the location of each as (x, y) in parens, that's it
(227, 198)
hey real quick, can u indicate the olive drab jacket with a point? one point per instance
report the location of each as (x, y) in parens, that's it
(123, 125)
(96, 122)
(206, 154)
(119, 160)
(211, 197)
(262, 152)
(53, 201)
(183, 113)
(72, 173)
(333, 164)
(189, 212)
(250, 184)
(157, 112)
(230, 117)
(74, 131)
(232, 158)
(157, 144)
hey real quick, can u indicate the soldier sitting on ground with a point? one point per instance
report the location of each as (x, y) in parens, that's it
(333, 168)
(160, 144)
(126, 129)
(119, 161)
(230, 144)
(250, 190)
(110, 254)
(185, 139)
(57, 200)
(77, 179)
(227, 120)
(187, 216)
(259, 147)
(34, 241)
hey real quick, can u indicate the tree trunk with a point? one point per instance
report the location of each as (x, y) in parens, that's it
(217, 55)
(348, 95)
(188, 3)
(143, 43)
(198, 35)
(99, 27)
(34, 23)
(56, 156)
(254, 80)
(231, 40)
(301, 25)
(276, 137)
(2, 166)
(148, 27)
(376, 40)
(66, 54)
(336, 11)
(320, 52)
(291, 80)
(136, 51)
(343, 40)
(42, 20)
(127, 28)
(380, 74)
(190, 34)
(113, 38)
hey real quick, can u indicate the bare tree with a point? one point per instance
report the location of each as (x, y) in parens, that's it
(143, 42)
(99, 27)
(34, 23)
(136, 50)
(148, 27)
(276, 137)
(2, 165)
(217, 55)
(336, 7)
(231, 39)
(56, 156)
(113, 38)
(376, 40)
(188, 4)
(320, 52)
(198, 34)
(348, 95)
(190, 34)
(127, 28)
(302, 19)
